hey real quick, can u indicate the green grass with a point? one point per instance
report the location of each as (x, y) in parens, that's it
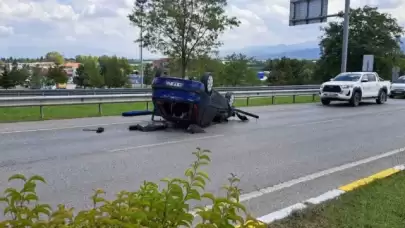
(78, 111)
(380, 204)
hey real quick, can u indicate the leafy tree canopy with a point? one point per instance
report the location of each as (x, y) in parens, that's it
(55, 57)
(6, 80)
(370, 32)
(57, 74)
(182, 29)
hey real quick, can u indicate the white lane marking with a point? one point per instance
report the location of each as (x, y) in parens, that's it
(326, 196)
(281, 213)
(264, 191)
(65, 128)
(315, 122)
(165, 143)
(400, 167)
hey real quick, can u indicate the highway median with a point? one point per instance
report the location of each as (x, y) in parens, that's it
(375, 201)
(19, 114)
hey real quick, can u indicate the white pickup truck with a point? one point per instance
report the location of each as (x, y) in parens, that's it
(355, 87)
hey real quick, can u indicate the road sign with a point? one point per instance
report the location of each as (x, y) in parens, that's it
(308, 12)
(262, 75)
(368, 63)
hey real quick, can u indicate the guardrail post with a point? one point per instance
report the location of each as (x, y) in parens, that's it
(100, 109)
(41, 111)
(147, 105)
(247, 101)
(313, 97)
(272, 99)
(294, 98)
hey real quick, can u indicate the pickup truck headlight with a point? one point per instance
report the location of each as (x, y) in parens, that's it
(346, 86)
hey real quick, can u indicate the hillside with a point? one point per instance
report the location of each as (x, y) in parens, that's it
(309, 50)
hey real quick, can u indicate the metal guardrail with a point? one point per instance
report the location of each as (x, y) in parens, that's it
(42, 101)
(74, 92)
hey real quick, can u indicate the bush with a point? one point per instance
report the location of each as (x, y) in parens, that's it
(148, 207)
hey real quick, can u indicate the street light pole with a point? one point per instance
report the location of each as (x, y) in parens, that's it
(345, 36)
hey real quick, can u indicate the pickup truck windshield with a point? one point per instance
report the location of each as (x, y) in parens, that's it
(400, 80)
(347, 77)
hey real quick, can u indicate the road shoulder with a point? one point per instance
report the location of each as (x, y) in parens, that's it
(366, 202)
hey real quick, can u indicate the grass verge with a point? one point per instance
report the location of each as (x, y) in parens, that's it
(378, 204)
(79, 111)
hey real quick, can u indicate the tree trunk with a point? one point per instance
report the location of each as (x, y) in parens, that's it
(183, 64)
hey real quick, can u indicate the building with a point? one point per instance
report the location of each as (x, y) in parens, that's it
(70, 69)
(43, 65)
(161, 63)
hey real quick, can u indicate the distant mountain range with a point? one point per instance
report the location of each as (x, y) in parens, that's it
(308, 50)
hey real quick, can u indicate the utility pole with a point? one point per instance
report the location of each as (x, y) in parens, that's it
(141, 4)
(141, 55)
(345, 36)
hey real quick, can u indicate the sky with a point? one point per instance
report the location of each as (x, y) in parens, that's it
(30, 28)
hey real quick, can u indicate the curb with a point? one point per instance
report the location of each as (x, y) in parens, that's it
(332, 194)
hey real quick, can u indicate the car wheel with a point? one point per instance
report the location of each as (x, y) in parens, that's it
(355, 100)
(230, 97)
(208, 82)
(325, 101)
(382, 97)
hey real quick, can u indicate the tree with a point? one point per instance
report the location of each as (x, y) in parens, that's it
(55, 57)
(202, 64)
(36, 78)
(83, 58)
(19, 76)
(371, 32)
(57, 74)
(115, 71)
(92, 74)
(6, 81)
(183, 29)
(237, 71)
(81, 79)
(148, 74)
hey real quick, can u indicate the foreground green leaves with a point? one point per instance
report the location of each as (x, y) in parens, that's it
(148, 207)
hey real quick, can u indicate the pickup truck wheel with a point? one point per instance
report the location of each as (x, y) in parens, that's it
(382, 97)
(325, 101)
(355, 100)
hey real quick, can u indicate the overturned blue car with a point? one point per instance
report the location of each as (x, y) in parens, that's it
(189, 104)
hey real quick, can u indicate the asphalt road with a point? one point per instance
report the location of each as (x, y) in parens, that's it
(286, 143)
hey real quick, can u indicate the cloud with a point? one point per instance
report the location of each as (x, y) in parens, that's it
(6, 31)
(34, 27)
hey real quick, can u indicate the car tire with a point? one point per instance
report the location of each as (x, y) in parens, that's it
(355, 100)
(382, 97)
(230, 97)
(325, 101)
(208, 82)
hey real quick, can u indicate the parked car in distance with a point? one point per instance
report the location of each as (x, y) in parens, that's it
(355, 87)
(398, 87)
